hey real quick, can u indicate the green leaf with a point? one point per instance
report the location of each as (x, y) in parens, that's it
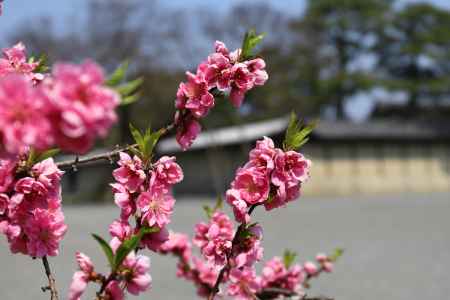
(106, 249)
(129, 87)
(208, 210)
(296, 134)
(42, 66)
(131, 244)
(251, 40)
(336, 254)
(137, 136)
(131, 99)
(289, 258)
(125, 248)
(118, 75)
(47, 154)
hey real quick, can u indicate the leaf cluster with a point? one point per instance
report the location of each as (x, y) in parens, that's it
(297, 133)
(130, 244)
(130, 91)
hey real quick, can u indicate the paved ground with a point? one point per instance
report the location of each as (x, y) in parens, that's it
(397, 247)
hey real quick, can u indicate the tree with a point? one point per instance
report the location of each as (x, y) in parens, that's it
(340, 33)
(416, 53)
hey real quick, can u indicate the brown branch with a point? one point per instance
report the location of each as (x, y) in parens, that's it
(273, 293)
(51, 280)
(107, 156)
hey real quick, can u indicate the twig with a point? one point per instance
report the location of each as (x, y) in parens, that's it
(222, 272)
(273, 293)
(109, 156)
(51, 280)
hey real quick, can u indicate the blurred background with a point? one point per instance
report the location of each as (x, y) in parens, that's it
(376, 73)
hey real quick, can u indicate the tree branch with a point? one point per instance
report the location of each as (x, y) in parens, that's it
(273, 293)
(109, 156)
(222, 272)
(51, 280)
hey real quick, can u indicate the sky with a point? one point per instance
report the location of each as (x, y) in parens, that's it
(17, 12)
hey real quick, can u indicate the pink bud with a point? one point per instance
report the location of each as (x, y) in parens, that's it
(310, 268)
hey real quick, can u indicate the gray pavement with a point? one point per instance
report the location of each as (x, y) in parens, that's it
(397, 247)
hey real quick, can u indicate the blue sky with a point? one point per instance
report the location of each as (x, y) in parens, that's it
(18, 11)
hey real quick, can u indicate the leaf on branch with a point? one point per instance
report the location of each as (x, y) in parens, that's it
(129, 91)
(289, 258)
(296, 133)
(251, 40)
(35, 157)
(106, 249)
(336, 254)
(210, 211)
(118, 75)
(42, 60)
(146, 141)
(131, 244)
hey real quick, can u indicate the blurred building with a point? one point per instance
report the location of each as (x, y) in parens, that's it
(348, 158)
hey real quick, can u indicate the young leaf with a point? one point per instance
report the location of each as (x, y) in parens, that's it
(106, 249)
(336, 254)
(137, 136)
(296, 134)
(47, 154)
(208, 210)
(118, 75)
(289, 258)
(251, 40)
(129, 87)
(131, 99)
(125, 248)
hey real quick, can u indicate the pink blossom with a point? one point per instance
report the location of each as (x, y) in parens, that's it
(23, 122)
(257, 68)
(187, 131)
(44, 231)
(215, 238)
(16, 238)
(4, 202)
(120, 230)
(166, 172)
(123, 200)
(244, 284)
(222, 49)
(205, 276)
(155, 240)
(195, 96)
(321, 257)
(81, 106)
(252, 184)
(248, 249)
(47, 173)
(310, 268)
(114, 291)
(80, 278)
(136, 268)
(328, 266)
(7, 170)
(14, 61)
(156, 207)
(130, 173)
(263, 155)
(216, 71)
(275, 274)
(242, 81)
(240, 207)
(178, 244)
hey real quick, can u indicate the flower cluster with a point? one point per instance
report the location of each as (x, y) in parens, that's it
(223, 71)
(271, 177)
(276, 274)
(202, 274)
(215, 238)
(133, 273)
(68, 108)
(146, 194)
(30, 207)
